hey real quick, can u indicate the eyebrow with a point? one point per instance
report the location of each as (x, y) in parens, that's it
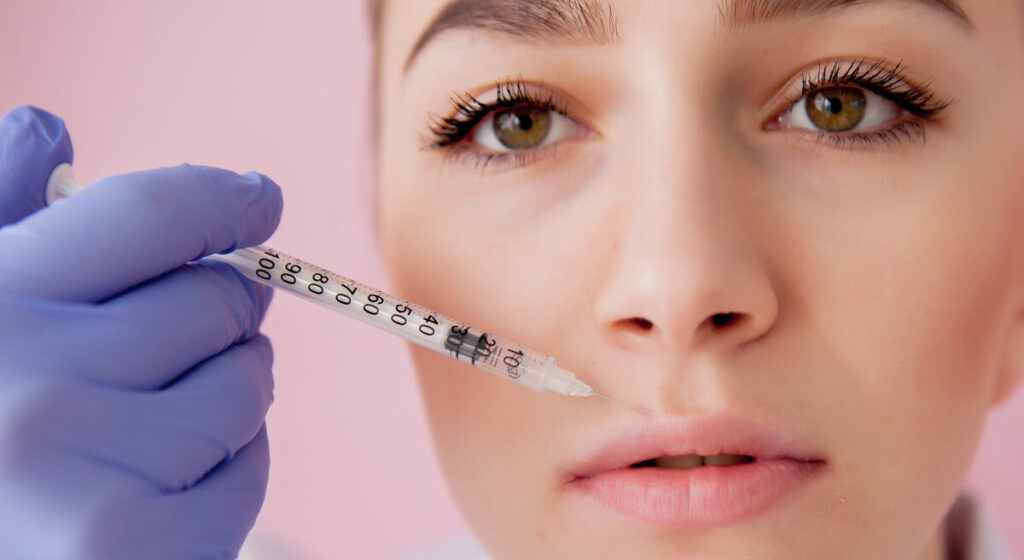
(735, 13)
(571, 21)
(594, 21)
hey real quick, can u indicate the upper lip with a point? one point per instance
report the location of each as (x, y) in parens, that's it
(712, 434)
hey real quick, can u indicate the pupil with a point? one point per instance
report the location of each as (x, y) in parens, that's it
(834, 105)
(524, 122)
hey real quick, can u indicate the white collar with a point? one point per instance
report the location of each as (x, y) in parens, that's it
(971, 532)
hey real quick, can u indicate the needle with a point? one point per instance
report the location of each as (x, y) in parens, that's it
(623, 403)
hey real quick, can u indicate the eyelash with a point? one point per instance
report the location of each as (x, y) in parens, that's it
(884, 79)
(879, 77)
(448, 132)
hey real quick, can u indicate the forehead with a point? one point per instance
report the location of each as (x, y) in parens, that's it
(414, 25)
(600, 13)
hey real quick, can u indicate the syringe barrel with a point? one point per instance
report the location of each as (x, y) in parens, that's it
(422, 326)
(416, 324)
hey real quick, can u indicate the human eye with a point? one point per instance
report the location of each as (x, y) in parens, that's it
(858, 104)
(523, 123)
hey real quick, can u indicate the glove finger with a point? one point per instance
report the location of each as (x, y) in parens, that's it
(127, 229)
(32, 143)
(170, 438)
(209, 520)
(230, 498)
(145, 338)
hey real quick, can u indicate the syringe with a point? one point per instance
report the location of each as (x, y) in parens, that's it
(412, 322)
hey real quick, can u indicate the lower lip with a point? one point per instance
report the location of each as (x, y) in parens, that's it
(697, 498)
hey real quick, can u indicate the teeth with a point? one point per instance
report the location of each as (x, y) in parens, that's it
(679, 462)
(691, 461)
(727, 459)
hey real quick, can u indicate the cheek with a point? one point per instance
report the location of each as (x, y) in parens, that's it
(484, 428)
(486, 435)
(905, 295)
(493, 438)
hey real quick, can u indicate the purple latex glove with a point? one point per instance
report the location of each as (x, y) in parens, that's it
(133, 385)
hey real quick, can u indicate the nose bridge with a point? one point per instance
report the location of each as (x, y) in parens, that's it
(684, 263)
(676, 216)
(679, 235)
(677, 159)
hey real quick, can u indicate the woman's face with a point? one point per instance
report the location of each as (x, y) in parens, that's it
(727, 213)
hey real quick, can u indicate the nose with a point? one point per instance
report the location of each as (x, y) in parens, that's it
(684, 271)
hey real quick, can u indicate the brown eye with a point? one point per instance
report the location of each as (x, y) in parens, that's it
(523, 127)
(836, 109)
(840, 109)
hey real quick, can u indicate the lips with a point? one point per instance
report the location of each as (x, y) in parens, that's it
(693, 473)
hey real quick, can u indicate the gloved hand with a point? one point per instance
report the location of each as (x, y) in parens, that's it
(133, 385)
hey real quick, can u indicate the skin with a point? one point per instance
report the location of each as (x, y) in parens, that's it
(879, 291)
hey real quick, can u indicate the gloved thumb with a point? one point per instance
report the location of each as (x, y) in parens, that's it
(32, 143)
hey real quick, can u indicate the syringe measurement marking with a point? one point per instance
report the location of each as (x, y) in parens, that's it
(484, 347)
(320, 279)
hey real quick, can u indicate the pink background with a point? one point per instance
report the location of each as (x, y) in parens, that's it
(282, 87)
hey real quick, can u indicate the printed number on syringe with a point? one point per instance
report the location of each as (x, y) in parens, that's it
(320, 280)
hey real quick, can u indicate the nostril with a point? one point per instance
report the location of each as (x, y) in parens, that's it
(642, 324)
(724, 319)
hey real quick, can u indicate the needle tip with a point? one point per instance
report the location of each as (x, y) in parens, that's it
(623, 403)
